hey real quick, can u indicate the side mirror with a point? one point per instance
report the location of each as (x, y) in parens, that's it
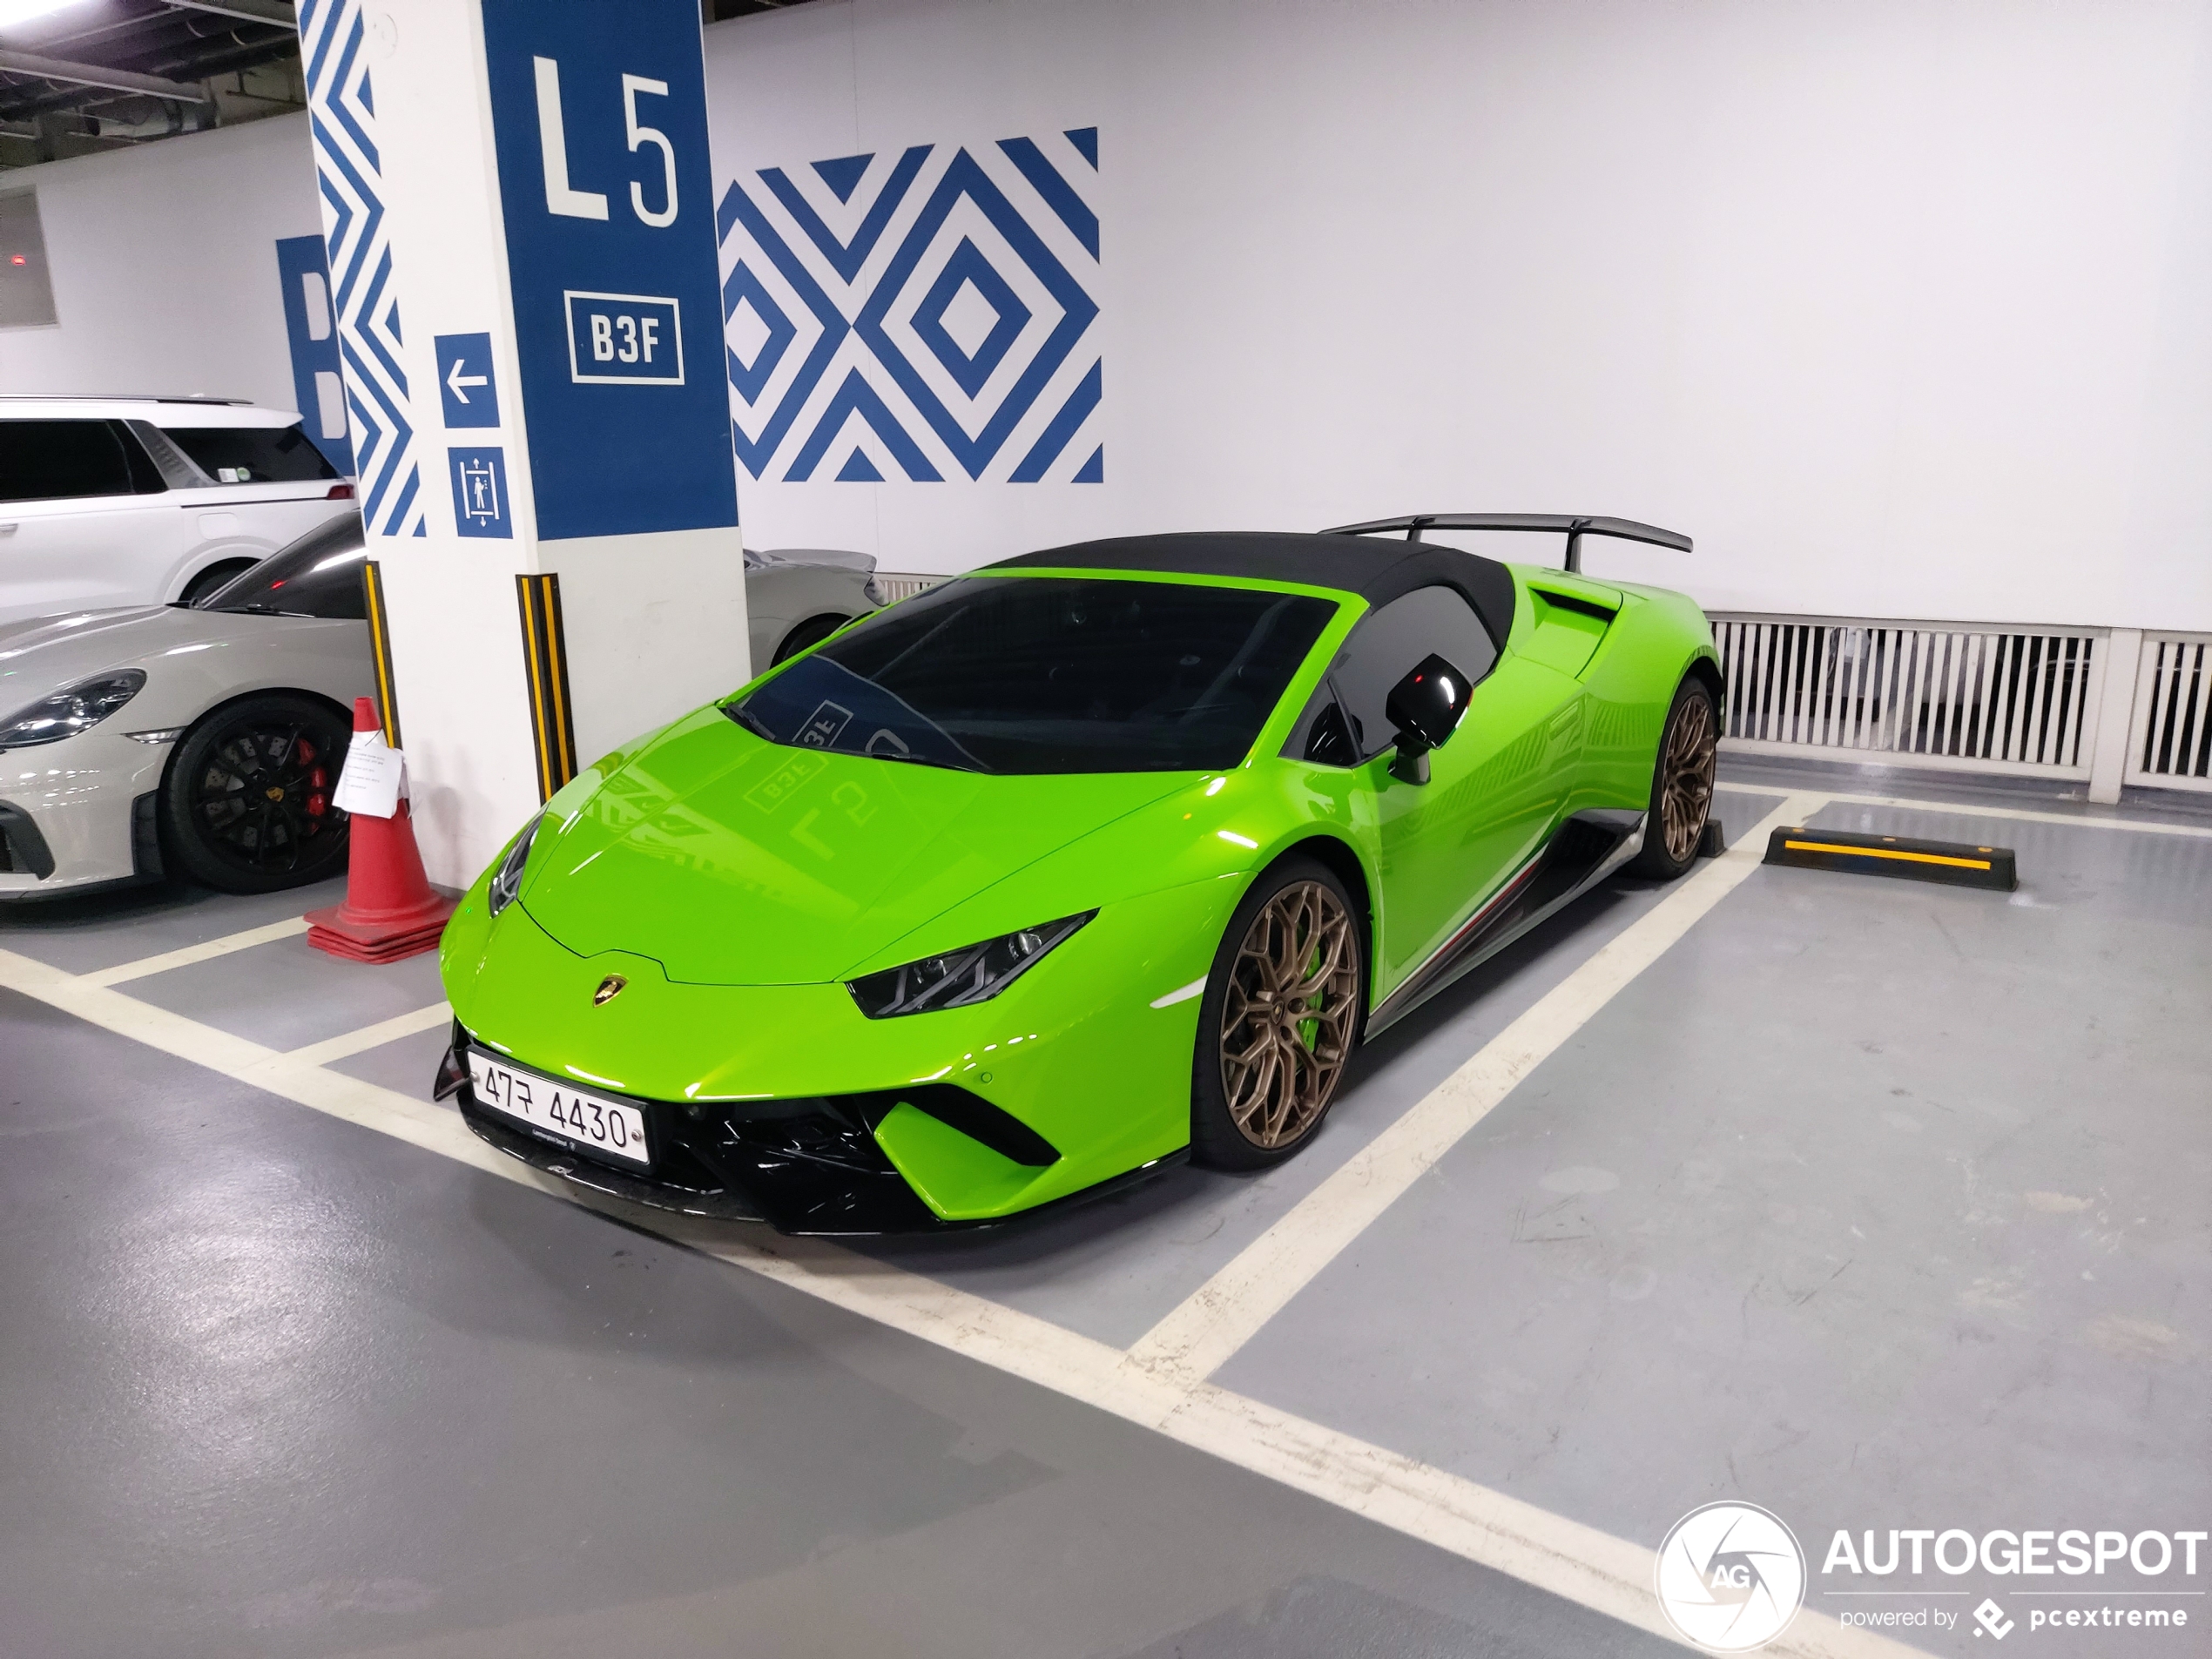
(1424, 708)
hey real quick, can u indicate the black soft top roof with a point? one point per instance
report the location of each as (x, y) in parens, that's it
(1377, 570)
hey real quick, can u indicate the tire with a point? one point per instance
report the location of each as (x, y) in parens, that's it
(1681, 784)
(212, 577)
(1269, 939)
(245, 805)
(807, 634)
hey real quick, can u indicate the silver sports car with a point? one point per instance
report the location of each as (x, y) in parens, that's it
(207, 740)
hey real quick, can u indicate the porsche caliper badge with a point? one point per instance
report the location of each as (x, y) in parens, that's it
(609, 989)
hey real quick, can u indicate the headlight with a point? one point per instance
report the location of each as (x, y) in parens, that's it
(507, 880)
(73, 709)
(874, 592)
(975, 973)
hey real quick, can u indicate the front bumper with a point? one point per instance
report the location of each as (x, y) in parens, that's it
(89, 802)
(811, 1165)
(785, 1103)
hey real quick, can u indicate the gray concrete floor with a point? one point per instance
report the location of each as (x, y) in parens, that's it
(1877, 1203)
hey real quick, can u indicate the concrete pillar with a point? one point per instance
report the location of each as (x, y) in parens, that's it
(2115, 714)
(518, 205)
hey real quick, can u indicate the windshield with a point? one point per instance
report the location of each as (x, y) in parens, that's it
(1048, 674)
(319, 575)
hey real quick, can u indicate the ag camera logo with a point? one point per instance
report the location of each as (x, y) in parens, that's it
(1730, 1577)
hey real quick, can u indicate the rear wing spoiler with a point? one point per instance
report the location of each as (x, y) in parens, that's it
(1574, 529)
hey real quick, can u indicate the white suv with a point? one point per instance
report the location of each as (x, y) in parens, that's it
(123, 500)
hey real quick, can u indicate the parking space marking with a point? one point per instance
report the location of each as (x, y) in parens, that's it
(2141, 826)
(1563, 1557)
(373, 1036)
(201, 953)
(1198, 1335)
(421, 1122)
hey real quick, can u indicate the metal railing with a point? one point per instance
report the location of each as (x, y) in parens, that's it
(895, 588)
(2170, 739)
(1972, 697)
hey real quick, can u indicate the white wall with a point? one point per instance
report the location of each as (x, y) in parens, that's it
(1900, 306)
(164, 262)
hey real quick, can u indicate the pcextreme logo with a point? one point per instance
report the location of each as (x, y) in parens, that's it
(1730, 1577)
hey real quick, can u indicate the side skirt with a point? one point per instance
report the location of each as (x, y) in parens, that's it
(1582, 853)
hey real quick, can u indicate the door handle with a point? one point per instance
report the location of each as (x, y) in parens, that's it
(7, 529)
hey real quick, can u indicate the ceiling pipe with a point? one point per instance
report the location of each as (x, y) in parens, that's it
(274, 13)
(114, 80)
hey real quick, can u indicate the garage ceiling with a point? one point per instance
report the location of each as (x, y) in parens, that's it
(84, 75)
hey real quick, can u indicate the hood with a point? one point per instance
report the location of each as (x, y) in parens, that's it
(36, 657)
(731, 861)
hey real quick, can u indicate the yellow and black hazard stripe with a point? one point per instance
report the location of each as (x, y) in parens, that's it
(546, 658)
(379, 645)
(1953, 862)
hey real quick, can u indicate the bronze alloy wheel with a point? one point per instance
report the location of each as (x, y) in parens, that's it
(1686, 777)
(1287, 1014)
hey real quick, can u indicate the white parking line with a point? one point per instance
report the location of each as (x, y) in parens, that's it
(1578, 1563)
(1197, 1337)
(373, 1036)
(201, 952)
(420, 1122)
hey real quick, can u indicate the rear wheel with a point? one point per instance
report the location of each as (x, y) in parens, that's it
(247, 804)
(1277, 1021)
(807, 634)
(1681, 784)
(212, 577)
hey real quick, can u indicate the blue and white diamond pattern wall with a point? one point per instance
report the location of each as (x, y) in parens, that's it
(341, 121)
(926, 314)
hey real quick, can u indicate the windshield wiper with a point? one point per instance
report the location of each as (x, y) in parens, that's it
(912, 761)
(739, 713)
(736, 712)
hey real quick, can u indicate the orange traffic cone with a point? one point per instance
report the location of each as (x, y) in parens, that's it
(390, 911)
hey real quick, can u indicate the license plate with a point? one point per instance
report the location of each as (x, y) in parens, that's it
(587, 1121)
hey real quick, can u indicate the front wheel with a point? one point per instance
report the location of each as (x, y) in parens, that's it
(1277, 1021)
(1681, 784)
(246, 807)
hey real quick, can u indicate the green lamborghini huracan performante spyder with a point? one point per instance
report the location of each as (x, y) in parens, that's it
(1047, 877)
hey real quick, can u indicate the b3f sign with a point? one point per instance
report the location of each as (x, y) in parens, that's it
(624, 339)
(607, 198)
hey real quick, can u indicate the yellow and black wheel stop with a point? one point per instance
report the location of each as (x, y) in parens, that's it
(1953, 863)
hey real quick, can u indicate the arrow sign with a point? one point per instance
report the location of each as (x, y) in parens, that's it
(457, 353)
(456, 380)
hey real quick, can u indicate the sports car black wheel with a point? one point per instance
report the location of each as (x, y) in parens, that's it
(807, 634)
(1681, 784)
(1278, 1020)
(247, 805)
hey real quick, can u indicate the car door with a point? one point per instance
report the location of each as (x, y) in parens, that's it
(83, 520)
(251, 490)
(1495, 788)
